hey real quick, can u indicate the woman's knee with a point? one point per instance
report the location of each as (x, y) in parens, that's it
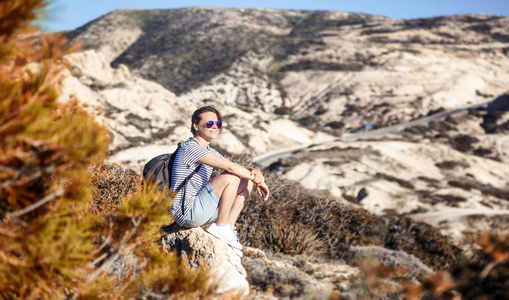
(245, 188)
(232, 179)
(225, 179)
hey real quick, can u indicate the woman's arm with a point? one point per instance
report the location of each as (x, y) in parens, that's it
(236, 169)
(226, 165)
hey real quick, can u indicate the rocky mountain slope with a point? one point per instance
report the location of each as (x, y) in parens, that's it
(450, 174)
(146, 119)
(317, 67)
(292, 78)
(329, 72)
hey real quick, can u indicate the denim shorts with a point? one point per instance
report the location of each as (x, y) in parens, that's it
(205, 208)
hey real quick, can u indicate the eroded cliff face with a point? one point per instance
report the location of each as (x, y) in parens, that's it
(290, 78)
(450, 173)
(145, 119)
(326, 70)
(275, 73)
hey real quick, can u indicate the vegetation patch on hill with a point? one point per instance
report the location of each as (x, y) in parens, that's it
(320, 65)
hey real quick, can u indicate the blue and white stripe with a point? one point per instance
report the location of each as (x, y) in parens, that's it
(186, 161)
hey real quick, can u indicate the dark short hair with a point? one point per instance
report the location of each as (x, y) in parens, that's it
(196, 118)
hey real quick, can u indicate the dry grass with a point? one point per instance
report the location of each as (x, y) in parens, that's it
(110, 184)
(337, 225)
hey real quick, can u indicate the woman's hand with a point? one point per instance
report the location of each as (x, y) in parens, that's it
(263, 191)
(258, 177)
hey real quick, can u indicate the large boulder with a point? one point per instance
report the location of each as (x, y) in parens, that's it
(203, 250)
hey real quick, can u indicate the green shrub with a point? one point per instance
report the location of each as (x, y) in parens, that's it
(500, 37)
(482, 28)
(463, 142)
(450, 164)
(320, 65)
(401, 182)
(308, 121)
(282, 110)
(335, 124)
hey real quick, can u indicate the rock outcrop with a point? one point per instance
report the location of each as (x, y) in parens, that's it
(203, 250)
(146, 120)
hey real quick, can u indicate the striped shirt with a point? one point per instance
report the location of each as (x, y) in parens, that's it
(186, 161)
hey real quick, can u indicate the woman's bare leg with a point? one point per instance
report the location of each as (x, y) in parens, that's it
(243, 191)
(232, 192)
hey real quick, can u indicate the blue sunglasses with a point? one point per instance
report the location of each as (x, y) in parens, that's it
(210, 124)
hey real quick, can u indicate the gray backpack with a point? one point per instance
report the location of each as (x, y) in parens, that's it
(159, 169)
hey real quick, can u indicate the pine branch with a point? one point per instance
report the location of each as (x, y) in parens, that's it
(121, 248)
(36, 205)
(97, 260)
(32, 177)
(487, 269)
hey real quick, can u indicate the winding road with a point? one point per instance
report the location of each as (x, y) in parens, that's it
(266, 159)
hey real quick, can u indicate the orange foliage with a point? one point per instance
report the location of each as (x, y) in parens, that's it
(44, 148)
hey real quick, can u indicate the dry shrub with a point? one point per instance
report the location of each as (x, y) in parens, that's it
(110, 184)
(451, 164)
(484, 276)
(485, 188)
(292, 239)
(44, 148)
(463, 142)
(416, 270)
(168, 275)
(282, 282)
(423, 241)
(131, 229)
(338, 225)
(401, 182)
(436, 286)
(51, 246)
(378, 281)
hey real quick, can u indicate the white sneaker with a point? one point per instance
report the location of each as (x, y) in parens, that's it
(225, 234)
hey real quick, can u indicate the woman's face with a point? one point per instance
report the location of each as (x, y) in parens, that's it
(202, 130)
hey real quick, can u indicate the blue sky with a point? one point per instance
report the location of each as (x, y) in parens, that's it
(70, 14)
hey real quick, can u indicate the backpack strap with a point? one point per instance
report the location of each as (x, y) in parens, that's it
(185, 181)
(172, 161)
